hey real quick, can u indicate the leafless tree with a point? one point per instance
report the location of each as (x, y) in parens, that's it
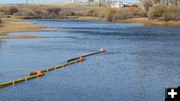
(149, 3)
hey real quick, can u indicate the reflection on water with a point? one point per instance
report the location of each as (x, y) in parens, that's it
(1, 41)
(140, 61)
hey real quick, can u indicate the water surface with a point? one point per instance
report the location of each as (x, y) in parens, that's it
(140, 61)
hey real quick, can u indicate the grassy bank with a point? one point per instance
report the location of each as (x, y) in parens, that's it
(144, 21)
(90, 18)
(152, 22)
(16, 25)
(81, 11)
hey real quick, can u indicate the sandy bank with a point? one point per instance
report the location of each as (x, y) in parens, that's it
(16, 25)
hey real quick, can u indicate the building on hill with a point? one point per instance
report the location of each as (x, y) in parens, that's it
(123, 5)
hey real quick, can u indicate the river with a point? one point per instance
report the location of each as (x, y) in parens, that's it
(139, 62)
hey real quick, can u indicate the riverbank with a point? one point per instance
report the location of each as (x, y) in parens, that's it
(80, 11)
(16, 25)
(91, 18)
(144, 21)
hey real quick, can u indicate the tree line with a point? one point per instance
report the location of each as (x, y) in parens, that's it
(149, 3)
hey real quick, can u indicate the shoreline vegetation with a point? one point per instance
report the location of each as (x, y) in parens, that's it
(148, 13)
(16, 25)
(145, 21)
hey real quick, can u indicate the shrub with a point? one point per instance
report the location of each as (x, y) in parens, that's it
(1, 14)
(9, 10)
(37, 13)
(27, 12)
(13, 10)
(5, 10)
(110, 13)
(90, 12)
(157, 11)
(164, 12)
(113, 14)
(127, 13)
(168, 16)
(123, 14)
(54, 11)
(137, 12)
(174, 12)
(99, 12)
(30, 13)
(178, 18)
(0, 21)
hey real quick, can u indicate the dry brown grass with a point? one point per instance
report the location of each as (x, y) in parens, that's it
(135, 20)
(114, 14)
(146, 21)
(15, 25)
(91, 18)
(73, 5)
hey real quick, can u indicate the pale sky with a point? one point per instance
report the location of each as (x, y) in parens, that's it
(35, 1)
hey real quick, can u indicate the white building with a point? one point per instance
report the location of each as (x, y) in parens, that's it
(117, 5)
(122, 5)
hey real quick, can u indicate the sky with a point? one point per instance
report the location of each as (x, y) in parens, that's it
(35, 1)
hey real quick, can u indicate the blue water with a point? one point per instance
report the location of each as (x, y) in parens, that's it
(139, 63)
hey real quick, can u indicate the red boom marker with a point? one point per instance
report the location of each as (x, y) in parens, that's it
(39, 72)
(81, 58)
(102, 50)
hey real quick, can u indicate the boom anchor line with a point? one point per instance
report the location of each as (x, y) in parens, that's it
(40, 73)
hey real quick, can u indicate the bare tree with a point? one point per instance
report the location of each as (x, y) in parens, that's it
(156, 1)
(147, 4)
(174, 2)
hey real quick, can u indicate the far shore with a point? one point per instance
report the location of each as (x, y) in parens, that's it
(144, 21)
(12, 16)
(17, 25)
